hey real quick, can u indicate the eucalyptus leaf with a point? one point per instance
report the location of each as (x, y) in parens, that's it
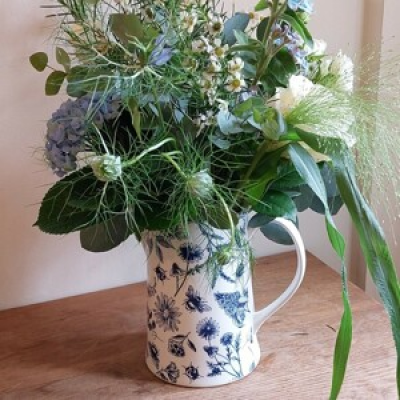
(238, 22)
(39, 61)
(54, 82)
(63, 58)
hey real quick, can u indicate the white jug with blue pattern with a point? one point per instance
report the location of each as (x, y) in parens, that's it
(202, 324)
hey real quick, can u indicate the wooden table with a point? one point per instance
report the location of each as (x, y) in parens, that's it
(92, 346)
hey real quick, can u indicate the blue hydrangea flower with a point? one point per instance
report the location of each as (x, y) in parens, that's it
(67, 127)
(304, 5)
(207, 328)
(226, 340)
(190, 252)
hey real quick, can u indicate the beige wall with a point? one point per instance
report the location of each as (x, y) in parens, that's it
(35, 267)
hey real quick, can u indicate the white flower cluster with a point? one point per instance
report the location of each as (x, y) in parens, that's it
(340, 67)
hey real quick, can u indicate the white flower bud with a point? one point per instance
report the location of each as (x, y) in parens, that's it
(106, 168)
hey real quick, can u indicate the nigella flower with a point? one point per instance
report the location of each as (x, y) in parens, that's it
(226, 340)
(154, 353)
(190, 252)
(207, 328)
(166, 313)
(192, 372)
(211, 351)
(67, 128)
(304, 5)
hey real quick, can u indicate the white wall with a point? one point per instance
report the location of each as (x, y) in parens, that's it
(35, 267)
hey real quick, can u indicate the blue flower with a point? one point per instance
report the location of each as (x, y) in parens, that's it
(192, 372)
(215, 369)
(67, 128)
(211, 351)
(166, 313)
(207, 328)
(226, 340)
(235, 305)
(304, 5)
(191, 253)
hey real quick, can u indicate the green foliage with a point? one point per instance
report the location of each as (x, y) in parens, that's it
(54, 82)
(202, 118)
(39, 61)
(237, 23)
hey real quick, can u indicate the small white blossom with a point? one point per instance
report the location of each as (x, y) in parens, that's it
(107, 167)
(342, 66)
(189, 20)
(206, 84)
(288, 98)
(217, 49)
(201, 45)
(215, 25)
(319, 47)
(214, 67)
(235, 83)
(236, 65)
(148, 14)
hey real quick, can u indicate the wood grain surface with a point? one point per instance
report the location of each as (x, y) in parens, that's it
(92, 346)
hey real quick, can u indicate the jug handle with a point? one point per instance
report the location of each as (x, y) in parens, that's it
(261, 316)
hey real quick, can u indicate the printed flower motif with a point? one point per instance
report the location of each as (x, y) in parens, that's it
(190, 252)
(207, 328)
(154, 354)
(192, 373)
(211, 351)
(166, 313)
(161, 273)
(215, 370)
(170, 373)
(194, 302)
(235, 83)
(227, 339)
(235, 305)
(177, 271)
(175, 346)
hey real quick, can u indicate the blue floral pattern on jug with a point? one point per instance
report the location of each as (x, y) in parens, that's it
(199, 334)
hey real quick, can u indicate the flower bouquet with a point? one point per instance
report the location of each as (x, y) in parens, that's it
(181, 113)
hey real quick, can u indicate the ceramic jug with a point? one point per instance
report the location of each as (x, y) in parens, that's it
(202, 325)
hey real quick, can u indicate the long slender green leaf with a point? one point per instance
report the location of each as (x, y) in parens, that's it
(375, 249)
(309, 171)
